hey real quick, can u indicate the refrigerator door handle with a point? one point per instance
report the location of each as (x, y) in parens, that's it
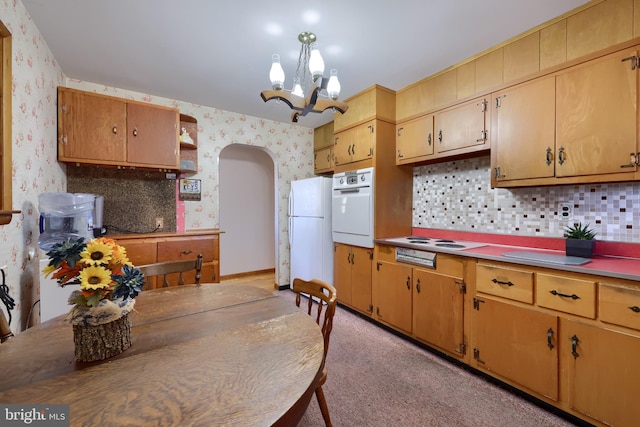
(290, 202)
(290, 231)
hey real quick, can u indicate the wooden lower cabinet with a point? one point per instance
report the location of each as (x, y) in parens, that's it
(603, 372)
(517, 343)
(148, 250)
(352, 276)
(438, 310)
(393, 284)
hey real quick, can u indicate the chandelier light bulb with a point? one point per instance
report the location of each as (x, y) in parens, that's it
(276, 74)
(316, 63)
(333, 86)
(297, 89)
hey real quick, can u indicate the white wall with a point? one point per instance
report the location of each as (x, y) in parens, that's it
(247, 210)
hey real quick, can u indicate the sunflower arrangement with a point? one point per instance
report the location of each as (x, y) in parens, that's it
(100, 267)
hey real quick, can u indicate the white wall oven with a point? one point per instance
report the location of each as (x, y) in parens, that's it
(352, 207)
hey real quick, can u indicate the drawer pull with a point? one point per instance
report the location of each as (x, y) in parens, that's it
(573, 296)
(501, 283)
(186, 252)
(550, 339)
(635, 309)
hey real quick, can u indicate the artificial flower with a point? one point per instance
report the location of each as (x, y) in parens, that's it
(100, 267)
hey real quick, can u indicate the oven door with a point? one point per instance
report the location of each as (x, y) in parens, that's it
(352, 216)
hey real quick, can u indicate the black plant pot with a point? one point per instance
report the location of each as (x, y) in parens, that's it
(580, 248)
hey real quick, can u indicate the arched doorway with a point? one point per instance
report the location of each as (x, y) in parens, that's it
(248, 210)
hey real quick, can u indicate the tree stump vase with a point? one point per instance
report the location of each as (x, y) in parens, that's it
(99, 342)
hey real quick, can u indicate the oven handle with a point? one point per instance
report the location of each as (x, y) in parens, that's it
(350, 190)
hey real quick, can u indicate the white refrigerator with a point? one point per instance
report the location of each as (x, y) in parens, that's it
(310, 239)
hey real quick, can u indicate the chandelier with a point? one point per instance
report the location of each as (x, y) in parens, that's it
(322, 93)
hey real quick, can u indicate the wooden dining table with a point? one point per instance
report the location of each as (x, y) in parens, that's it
(209, 355)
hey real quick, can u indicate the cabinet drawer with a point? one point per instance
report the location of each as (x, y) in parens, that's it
(620, 305)
(189, 248)
(566, 294)
(140, 252)
(516, 285)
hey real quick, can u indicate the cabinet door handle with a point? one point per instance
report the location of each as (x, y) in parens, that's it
(550, 339)
(418, 285)
(429, 139)
(549, 156)
(114, 129)
(498, 173)
(440, 136)
(562, 156)
(409, 282)
(400, 154)
(572, 296)
(633, 161)
(501, 282)
(399, 131)
(187, 252)
(135, 131)
(634, 61)
(574, 346)
(635, 309)
(483, 136)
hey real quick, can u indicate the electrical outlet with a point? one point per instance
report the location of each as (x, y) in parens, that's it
(565, 211)
(159, 223)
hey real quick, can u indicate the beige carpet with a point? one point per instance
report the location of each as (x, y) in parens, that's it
(376, 378)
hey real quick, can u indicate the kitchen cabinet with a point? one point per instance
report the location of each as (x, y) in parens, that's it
(355, 144)
(426, 304)
(323, 160)
(523, 132)
(596, 116)
(352, 276)
(517, 343)
(414, 139)
(102, 130)
(572, 339)
(462, 128)
(438, 305)
(602, 371)
(145, 249)
(393, 286)
(91, 127)
(323, 149)
(591, 136)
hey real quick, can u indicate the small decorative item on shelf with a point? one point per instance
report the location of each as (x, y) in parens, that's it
(580, 240)
(185, 137)
(108, 285)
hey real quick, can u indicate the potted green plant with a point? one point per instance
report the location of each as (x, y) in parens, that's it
(580, 240)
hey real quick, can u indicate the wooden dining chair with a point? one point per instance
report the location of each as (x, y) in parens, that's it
(170, 267)
(324, 307)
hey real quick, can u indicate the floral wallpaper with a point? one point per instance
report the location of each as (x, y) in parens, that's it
(36, 76)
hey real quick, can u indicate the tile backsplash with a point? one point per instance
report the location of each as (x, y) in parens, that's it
(458, 196)
(133, 199)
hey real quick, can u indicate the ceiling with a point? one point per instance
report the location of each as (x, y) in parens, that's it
(217, 53)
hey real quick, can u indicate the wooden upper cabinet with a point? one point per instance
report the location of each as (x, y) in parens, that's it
(355, 144)
(152, 135)
(414, 139)
(523, 131)
(104, 130)
(462, 127)
(596, 116)
(91, 127)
